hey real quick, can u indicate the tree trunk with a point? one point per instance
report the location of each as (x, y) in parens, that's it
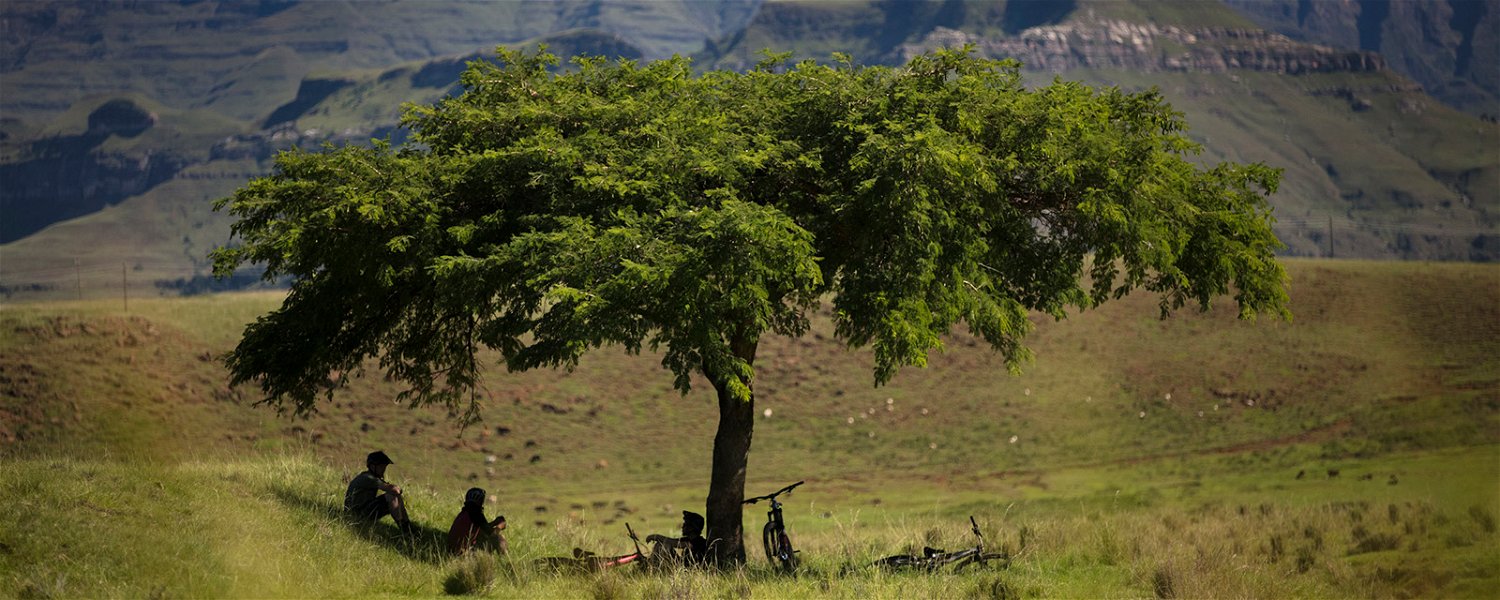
(726, 488)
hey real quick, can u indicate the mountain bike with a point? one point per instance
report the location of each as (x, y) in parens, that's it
(933, 559)
(584, 561)
(773, 536)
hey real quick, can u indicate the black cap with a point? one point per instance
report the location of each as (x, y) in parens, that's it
(378, 458)
(692, 520)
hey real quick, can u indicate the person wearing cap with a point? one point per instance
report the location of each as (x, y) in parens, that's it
(370, 497)
(471, 528)
(691, 549)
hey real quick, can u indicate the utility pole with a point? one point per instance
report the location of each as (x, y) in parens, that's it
(124, 288)
(77, 279)
(1330, 236)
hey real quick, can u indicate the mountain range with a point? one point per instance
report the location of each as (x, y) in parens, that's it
(121, 121)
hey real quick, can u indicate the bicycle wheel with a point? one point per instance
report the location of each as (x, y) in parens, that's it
(999, 560)
(768, 541)
(899, 561)
(994, 560)
(785, 552)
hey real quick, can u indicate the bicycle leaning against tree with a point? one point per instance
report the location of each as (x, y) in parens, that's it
(773, 537)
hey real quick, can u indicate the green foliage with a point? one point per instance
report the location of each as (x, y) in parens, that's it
(546, 214)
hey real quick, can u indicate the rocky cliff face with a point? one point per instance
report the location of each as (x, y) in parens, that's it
(73, 180)
(68, 176)
(242, 57)
(1153, 48)
(1451, 47)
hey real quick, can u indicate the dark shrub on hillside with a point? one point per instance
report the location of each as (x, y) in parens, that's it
(1483, 517)
(1364, 541)
(120, 117)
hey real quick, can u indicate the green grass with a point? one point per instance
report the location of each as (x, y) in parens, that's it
(189, 131)
(268, 527)
(117, 432)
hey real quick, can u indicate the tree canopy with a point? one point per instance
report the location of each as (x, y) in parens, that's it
(545, 212)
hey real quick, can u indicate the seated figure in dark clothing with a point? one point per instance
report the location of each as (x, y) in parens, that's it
(689, 550)
(472, 529)
(370, 497)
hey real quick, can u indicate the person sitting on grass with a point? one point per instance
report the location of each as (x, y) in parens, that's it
(689, 550)
(362, 503)
(471, 528)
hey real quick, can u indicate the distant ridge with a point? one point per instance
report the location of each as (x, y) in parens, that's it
(1375, 165)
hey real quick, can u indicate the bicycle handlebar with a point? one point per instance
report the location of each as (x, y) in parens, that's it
(975, 527)
(773, 495)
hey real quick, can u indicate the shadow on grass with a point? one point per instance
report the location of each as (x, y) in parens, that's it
(426, 544)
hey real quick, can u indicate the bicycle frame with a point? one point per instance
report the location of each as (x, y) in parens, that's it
(932, 560)
(628, 558)
(583, 560)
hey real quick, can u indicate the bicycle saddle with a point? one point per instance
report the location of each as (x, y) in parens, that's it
(929, 552)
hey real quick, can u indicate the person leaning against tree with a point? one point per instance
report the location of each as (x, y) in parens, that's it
(370, 497)
(689, 550)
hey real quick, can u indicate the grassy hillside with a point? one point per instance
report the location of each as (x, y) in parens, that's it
(161, 235)
(1375, 168)
(1352, 451)
(1440, 43)
(243, 59)
(1394, 172)
(1405, 178)
(212, 70)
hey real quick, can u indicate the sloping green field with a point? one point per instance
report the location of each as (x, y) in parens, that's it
(1354, 451)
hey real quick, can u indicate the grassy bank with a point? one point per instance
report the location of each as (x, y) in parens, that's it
(1353, 451)
(269, 527)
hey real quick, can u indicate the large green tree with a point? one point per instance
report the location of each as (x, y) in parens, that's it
(545, 212)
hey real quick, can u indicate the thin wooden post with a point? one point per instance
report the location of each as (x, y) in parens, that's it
(1330, 236)
(77, 279)
(124, 288)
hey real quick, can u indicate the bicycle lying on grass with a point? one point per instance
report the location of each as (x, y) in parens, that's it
(773, 536)
(584, 561)
(933, 559)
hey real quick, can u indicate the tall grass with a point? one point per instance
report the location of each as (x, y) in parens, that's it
(271, 528)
